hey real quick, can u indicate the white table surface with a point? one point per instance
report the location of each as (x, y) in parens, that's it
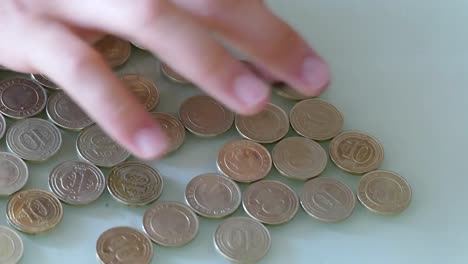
(399, 73)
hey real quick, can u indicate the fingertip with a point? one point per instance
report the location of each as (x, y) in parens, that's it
(150, 142)
(252, 93)
(316, 74)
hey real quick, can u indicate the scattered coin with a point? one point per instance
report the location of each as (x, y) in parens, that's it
(14, 174)
(77, 182)
(45, 82)
(114, 50)
(34, 139)
(145, 90)
(172, 75)
(134, 183)
(171, 224)
(65, 113)
(173, 128)
(244, 161)
(11, 246)
(384, 192)
(316, 119)
(34, 211)
(268, 126)
(97, 147)
(3, 126)
(124, 245)
(205, 117)
(212, 195)
(356, 152)
(287, 92)
(270, 202)
(242, 240)
(328, 200)
(299, 158)
(21, 98)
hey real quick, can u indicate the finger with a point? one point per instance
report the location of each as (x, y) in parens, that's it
(269, 41)
(175, 38)
(83, 74)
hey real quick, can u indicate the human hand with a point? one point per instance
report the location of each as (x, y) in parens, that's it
(53, 37)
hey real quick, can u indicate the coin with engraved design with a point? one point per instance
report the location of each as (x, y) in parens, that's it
(3, 126)
(270, 202)
(14, 174)
(115, 51)
(11, 246)
(45, 81)
(242, 240)
(244, 161)
(173, 128)
(77, 182)
(356, 152)
(21, 98)
(172, 75)
(34, 139)
(34, 211)
(212, 195)
(65, 113)
(144, 89)
(328, 200)
(171, 224)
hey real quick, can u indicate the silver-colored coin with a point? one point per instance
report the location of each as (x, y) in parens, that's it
(173, 128)
(287, 92)
(212, 195)
(34, 139)
(328, 200)
(65, 113)
(205, 117)
(242, 240)
(77, 182)
(134, 183)
(270, 202)
(21, 98)
(14, 173)
(316, 119)
(299, 158)
(11, 246)
(144, 89)
(171, 224)
(3, 126)
(244, 161)
(97, 147)
(384, 192)
(268, 126)
(45, 82)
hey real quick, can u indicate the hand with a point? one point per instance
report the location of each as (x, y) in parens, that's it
(53, 37)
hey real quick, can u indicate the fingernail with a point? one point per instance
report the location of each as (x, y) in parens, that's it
(316, 73)
(151, 142)
(250, 90)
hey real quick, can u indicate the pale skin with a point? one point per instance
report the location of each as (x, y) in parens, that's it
(55, 37)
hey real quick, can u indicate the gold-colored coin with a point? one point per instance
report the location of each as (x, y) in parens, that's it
(114, 50)
(124, 245)
(287, 92)
(356, 152)
(34, 211)
(173, 75)
(144, 89)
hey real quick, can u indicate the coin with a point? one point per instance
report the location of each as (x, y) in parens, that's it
(45, 82)
(97, 147)
(34, 139)
(384, 192)
(356, 152)
(205, 117)
(287, 92)
(124, 245)
(34, 211)
(134, 183)
(114, 50)
(173, 128)
(171, 224)
(11, 246)
(212, 195)
(299, 158)
(316, 119)
(65, 113)
(242, 240)
(14, 174)
(172, 75)
(144, 89)
(270, 202)
(244, 161)
(21, 98)
(327, 199)
(2, 126)
(77, 182)
(268, 126)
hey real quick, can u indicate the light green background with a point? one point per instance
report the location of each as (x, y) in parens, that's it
(399, 73)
